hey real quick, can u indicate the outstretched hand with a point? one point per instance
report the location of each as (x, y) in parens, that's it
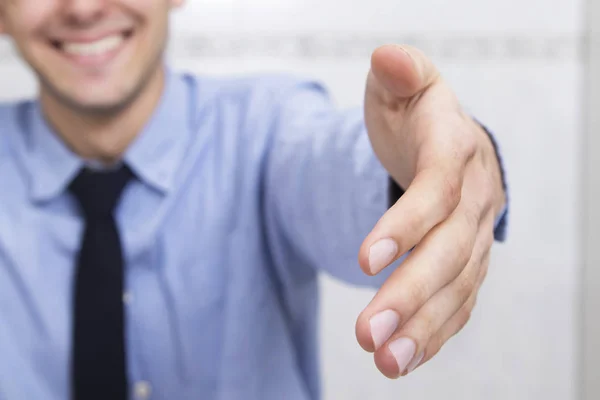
(453, 194)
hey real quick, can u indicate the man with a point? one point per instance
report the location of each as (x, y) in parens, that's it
(161, 234)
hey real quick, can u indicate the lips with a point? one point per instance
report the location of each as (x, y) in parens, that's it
(97, 50)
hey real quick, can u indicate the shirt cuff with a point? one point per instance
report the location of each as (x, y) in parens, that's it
(501, 222)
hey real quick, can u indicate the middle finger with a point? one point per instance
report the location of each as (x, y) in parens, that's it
(434, 263)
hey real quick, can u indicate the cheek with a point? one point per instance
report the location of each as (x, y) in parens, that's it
(28, 17)
(146, 7)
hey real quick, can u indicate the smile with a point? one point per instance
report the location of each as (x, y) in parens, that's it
(98, 47)
(93, 52)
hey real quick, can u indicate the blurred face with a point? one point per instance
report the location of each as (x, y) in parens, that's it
(92, 55)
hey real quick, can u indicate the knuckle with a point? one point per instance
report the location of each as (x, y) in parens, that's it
(467, 143)
(479, 182)
(470, 145)
(466, 139)
(486, 190)
(450, 192)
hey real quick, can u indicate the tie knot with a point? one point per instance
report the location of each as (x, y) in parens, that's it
(98, 192)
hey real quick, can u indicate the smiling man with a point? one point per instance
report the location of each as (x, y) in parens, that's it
(161, 233)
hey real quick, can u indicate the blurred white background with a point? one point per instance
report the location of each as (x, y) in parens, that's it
(517, 66)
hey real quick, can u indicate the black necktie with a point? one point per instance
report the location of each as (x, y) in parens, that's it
(98, 353)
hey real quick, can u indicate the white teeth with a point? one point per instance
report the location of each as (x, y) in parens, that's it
(101, 46)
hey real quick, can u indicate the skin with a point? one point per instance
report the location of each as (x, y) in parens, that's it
(454, 193)
(416, 125)
(98, 108)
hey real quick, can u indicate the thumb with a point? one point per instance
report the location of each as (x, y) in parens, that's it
(404, 71)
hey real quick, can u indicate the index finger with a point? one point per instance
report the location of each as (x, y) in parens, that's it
(430, 199)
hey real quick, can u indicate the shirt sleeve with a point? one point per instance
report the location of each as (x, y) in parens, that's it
(324, 187)
(501, 223)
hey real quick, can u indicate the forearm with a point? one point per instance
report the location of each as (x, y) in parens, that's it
(326, 189)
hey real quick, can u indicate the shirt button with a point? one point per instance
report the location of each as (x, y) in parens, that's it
(142, 390)
(127, 297)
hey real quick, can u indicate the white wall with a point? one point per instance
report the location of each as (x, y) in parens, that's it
(516, 66)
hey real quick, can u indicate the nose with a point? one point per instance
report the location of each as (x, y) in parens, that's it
(84, 12)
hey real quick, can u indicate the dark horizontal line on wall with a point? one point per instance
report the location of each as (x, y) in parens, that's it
(451, 46)
(348, 46)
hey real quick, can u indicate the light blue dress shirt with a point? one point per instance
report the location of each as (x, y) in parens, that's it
(247, 187)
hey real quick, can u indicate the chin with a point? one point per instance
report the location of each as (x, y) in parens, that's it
(94, 105)
(91, 97)
(104, 105)
(106, 94)
(101, 108)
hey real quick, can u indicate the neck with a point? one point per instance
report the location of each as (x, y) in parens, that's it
(103, 137)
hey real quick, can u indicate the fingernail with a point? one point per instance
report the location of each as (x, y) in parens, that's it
(383, 324)
(381, 254)
(403, 350)
(415, 362)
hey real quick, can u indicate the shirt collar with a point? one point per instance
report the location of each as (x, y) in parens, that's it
(52, 165)
(154, 156)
